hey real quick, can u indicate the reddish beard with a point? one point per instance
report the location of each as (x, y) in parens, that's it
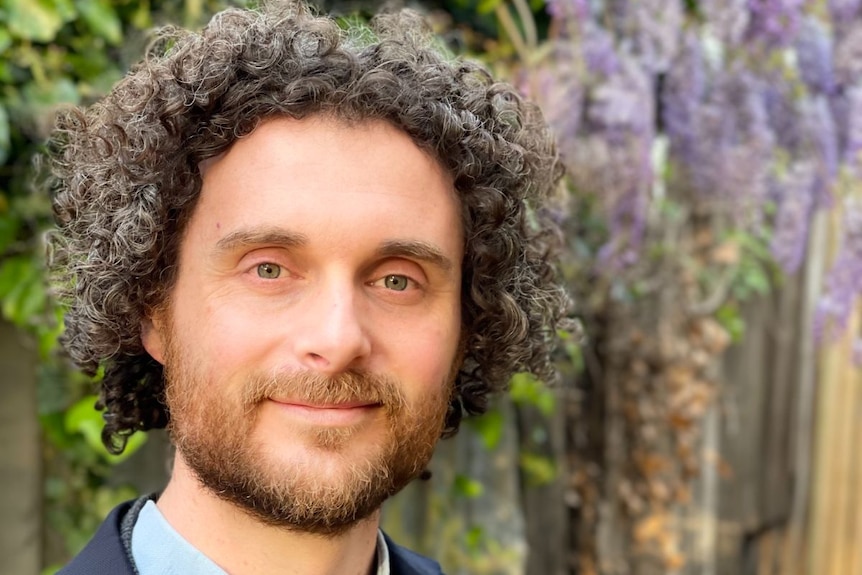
(214, 433)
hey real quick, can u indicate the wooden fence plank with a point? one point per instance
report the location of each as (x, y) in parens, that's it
(20, 458)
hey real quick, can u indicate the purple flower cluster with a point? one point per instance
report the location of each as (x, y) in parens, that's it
(726, 20)
(843, 14)
(775, 23)
(600, 100)
(565, 10)
(814, 49)
(655, 26)
(613, 154)
(844, 282)
(682, 100)
(599, 51)
(819, 143)
(848, 113)
(847, 61)
(844, 10)
(759, 101)
(721, 141)
(795, 207)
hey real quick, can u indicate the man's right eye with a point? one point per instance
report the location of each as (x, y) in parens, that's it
(268, 271)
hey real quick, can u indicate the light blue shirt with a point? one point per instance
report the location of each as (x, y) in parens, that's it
(159, 550)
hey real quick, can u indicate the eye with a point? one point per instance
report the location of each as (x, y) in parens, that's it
(396, 282)
(268, 271)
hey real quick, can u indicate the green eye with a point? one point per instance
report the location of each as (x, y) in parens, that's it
(268, 271)
(395, 282)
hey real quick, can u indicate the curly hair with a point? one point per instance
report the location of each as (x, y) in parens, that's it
(126, 180)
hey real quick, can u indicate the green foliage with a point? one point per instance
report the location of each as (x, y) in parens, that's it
(474, 538)
(83, 418)
(730, 318)
(22, 290)
(527, 390)
(5, 136)
(102, 20)
(466, 487)
(757, 270)
(538, 469)
(37, 20)
(488, 6)
(489, 427)
(54, 53)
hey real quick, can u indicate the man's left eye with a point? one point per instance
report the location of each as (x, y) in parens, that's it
(268, 271)
(396, 282)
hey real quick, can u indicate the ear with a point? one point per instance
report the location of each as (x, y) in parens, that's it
(153, 339)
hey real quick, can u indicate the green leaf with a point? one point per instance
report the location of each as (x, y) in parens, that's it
(102, 19)
(12, 271)
(5, 139)
(731, 320)
(488, 6)
(489, 427)
(49, 335)
(84, 418)
(9, 227)
(467, 487)
(37, 20)
(474, 538)
(527, 390)
(141, 18)
(54, 430)
(48, 94)
(30, 302)
(5, 40)
(538, 469)
(22, 290)
(88, 61)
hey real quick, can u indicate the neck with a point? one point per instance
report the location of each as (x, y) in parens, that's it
(241, 544)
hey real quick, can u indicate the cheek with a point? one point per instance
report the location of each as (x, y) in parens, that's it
(225, 341)
(426, 357)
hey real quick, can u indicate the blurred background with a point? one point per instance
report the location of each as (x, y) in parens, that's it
(707, 417)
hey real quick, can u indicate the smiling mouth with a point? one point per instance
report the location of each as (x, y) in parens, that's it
(328, 414)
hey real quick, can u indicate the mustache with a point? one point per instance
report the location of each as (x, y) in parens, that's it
(309, 387)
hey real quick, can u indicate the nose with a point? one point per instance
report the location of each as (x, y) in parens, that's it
(331, 337)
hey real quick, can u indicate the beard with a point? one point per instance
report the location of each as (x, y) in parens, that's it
(343, 477)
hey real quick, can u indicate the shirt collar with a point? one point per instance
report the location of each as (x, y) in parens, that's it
(158, 549)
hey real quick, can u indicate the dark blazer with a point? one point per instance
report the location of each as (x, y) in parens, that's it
(106, 553)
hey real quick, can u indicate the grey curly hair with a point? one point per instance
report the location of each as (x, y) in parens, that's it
(126, 179)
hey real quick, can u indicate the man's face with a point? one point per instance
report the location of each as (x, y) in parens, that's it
(311, 339)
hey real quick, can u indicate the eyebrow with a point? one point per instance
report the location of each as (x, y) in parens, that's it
(417, 250)
(414, 249)
(256, 237)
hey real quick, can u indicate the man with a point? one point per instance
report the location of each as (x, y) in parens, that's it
(308, 254)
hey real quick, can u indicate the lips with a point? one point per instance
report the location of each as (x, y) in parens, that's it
(341, 414)
(335, 405)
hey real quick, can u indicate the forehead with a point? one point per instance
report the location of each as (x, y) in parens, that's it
(321, 177)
